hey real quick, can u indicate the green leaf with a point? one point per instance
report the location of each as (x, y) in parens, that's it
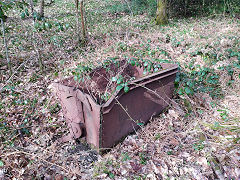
(36, 25)
(39, 17)
(60, 27)
(119, 81)
(23, 15)
(140, 124)
(111, 175)
(180, 91)
(149, 67)
(75, 78)
(177, 80)
(126, 89)
(114, 79)
(43, 26)
(133, 63)
(236, 65)
(1, 163)
(34, 15)
(187, 90)
(119, 87)
(190, 84)
(67, 26)
(26, 12)
(48, 25)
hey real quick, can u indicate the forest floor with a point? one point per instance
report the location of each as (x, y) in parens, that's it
(198, 137)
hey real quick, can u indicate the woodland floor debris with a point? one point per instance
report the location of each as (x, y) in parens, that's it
(201, 143)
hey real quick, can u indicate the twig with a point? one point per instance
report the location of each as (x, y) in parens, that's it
(158, 95)
(124, 109)
(13, 74)
(38, 157)
(31, 6)
(129, 8)
(152, 92)
(6, 47)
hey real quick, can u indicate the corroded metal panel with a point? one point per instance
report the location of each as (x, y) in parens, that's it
(105, 125)
(128, 111)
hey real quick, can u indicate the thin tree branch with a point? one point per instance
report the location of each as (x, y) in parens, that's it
(6, 47)
(14, 74)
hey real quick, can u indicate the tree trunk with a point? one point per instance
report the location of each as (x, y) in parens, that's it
(78, 23)
(83, 21)
(161, 14)
(84, 37)
(41, 12)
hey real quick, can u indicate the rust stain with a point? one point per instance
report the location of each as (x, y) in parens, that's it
(105, 125)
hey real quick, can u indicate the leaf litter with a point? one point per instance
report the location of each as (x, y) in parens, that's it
(174, 145)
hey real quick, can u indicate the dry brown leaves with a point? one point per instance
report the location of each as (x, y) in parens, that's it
(174, 145)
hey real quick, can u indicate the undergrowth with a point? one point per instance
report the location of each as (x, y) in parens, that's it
(206, 50)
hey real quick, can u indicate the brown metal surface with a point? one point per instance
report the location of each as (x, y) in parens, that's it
(148, 97)
(106, 125)
(72, 109)
(81, 112)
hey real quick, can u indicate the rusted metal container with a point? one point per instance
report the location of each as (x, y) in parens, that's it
(105, 125)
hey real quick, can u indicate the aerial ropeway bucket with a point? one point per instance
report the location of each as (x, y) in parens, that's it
(104, 125)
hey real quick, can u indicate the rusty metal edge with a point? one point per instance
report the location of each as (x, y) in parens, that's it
(106, 106)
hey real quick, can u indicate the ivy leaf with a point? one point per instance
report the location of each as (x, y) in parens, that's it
(34, 15)
(177, 80)
(180, 91)
(67, 26)
(48, 25)
(188, 90)
(26, 12)
(133, 63)
(36, 25)
(138, 64)
(190, 84)
(75, 78)
(236, 65)
(126, 89)
(60, 27)
(114, 79)
(1, 163)
(119, 87)
(39, 17)
(145, 64)
(119, 81)
(23, 15)
(149, 67)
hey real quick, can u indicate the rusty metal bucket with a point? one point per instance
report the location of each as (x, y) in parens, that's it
(105, 125)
